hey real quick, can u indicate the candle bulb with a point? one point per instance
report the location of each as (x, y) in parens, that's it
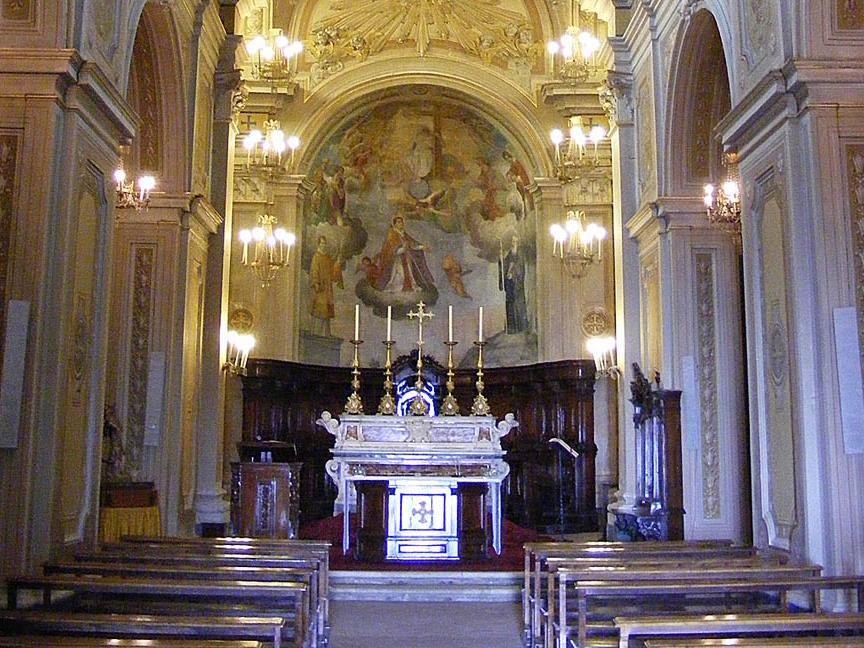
(480, 326)
(450, 323)
(356, 321)
(389, 322)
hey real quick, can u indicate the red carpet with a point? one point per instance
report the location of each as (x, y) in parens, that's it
(511, 558)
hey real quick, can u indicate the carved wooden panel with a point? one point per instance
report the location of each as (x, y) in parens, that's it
(264, 499)
(282, 400)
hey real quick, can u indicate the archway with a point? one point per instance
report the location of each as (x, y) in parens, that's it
(709, 338)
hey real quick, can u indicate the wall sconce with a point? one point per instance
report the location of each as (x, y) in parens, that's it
(578, 245)
(128, 195)
(602, 349)
(577, 150)
(265, 149)
(239, 346)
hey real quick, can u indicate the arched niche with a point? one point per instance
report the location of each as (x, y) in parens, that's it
(700, 97)
(155, 92)
(462, 186)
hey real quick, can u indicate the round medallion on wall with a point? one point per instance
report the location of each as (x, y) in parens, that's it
(241, 320)
(595, 322)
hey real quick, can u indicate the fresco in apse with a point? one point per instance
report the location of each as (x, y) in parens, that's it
(419, 200)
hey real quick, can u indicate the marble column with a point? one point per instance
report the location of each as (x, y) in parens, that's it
(619, 101)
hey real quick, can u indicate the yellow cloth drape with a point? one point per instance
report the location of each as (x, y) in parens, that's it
(114, 523)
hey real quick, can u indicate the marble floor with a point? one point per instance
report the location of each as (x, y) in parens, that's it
(373, 624)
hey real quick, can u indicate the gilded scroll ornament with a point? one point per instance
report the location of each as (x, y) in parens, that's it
(357, 28)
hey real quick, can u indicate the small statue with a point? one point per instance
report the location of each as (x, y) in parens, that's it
(113, 455)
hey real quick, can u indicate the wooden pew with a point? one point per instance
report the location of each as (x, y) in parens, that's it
(47, 622)
(654, 571)
(590, 591)
(733, 625)
(536, 553)
(264, 552)
(537, 556)
(762, 642)
(204, 571)
(292, 599)
(50, 641)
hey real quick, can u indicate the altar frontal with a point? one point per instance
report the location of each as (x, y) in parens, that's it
(424, 486)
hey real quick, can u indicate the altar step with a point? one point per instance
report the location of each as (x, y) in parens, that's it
(433, 586)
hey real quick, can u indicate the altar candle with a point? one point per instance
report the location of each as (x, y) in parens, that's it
(356, 321)
(480, 326)
(450, 323)
(389, 321)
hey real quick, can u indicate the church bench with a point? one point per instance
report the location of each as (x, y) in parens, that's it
(586, 592)
(535, 554)
(51, 641)
(651, 572)
(307, 575)
(127, 626)
(761, 642)
(263, 552)
(291, 599)
(538, 555)
(734, 625)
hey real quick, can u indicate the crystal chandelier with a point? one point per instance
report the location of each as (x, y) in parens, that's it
(271, 57)
(271, 248)
(267, 148)
(128, 195)
(579, 149)
(723, 203)
(577, 244)
(575, 52)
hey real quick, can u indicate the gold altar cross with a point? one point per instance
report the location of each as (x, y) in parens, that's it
(420, 314)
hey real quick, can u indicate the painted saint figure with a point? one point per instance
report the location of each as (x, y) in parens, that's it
(518, 175)
(324, 271)
(402, 262)
(512, 268)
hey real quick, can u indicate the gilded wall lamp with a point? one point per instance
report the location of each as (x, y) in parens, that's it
(577, 150)
(577, 244)
(574, 55)
(723, 202)
(272, 55)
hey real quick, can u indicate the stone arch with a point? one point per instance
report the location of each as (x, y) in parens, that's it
(491, 98)
(700, 96)
(155, 91)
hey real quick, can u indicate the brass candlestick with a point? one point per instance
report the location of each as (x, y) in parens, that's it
(419, 407)
(481, 405)
(387, 406)
(449, 407)
(354, 404)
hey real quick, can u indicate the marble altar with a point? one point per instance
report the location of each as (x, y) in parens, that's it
(423, 459)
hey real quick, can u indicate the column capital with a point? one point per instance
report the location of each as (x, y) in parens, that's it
(616, 98)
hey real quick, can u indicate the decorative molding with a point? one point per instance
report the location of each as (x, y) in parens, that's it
(616, 98)
(646, 135)
(358, 28)
(596, 322)
(707, 367)
(760, 37)
(148, 100)
(850, 14)
(143, 266)
(8, 167)
(17, 10)
(855, 179)
(594, 187)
